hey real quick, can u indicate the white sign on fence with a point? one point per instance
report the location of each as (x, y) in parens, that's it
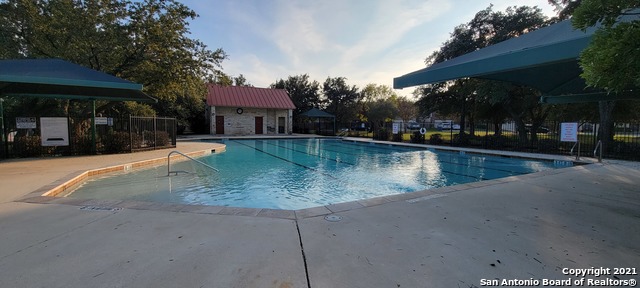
(396, 128)
(102, 121)
(54, 131)
(26, 122)
(569, 132)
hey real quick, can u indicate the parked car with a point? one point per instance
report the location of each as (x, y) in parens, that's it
(413, 126)
(541, 129)
(448, 126)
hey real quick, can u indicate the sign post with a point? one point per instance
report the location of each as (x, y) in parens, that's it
(569, 133)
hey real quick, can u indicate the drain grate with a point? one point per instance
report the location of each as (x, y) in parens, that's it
(98, 208)
(333, 218)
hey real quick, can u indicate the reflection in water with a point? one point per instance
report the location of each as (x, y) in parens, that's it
(302, 173)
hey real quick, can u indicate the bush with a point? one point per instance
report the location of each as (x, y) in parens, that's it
(29, 146)
(435, 139)
(116, 142)
(163, 139)
(496, 142)
(623, 150)
(382, 134)
(81, 144)
(136, 141)
(199, 124)
(416, 137)
(148, 138)
(461, 139)
(397, 137)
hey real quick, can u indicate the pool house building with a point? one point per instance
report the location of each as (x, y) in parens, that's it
(239, 110)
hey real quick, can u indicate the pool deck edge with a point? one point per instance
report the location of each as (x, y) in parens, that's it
(522, 227)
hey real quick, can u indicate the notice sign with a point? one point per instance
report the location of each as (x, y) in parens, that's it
(569, 132)
(54, 131)
(102, 121)
(26, 122)
(396, 127)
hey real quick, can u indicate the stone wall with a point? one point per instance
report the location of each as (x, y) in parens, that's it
(244, 123)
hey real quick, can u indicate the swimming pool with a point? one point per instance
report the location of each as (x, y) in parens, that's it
(302, 173)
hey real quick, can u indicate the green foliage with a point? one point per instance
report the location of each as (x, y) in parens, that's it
(241, 81)
(163, 139)
(382, 111)
(565, 8)
(474, 98)
(382, 134)
(144, 41)
(607, 12)
(417, 137)
(305, 94)
(612, 60)
(116, 142)
(341, 99)
(139, 109)
(435, 139)
(488, 27)
(29, 146)
(407, 109)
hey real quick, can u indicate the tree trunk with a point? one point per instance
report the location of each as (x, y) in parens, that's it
(461, 134)
(472, 125)
(497, 129)
(606, 123)
(522, 132)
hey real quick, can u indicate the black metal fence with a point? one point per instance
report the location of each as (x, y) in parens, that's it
(23, 136)
(546, 138)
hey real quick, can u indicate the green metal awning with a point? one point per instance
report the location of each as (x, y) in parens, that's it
(545, 59)
(55, 78)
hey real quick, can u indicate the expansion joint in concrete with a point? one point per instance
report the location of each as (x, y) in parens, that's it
(304, 257)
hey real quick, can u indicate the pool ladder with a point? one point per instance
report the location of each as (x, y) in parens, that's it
(188, 157)
(598, 149)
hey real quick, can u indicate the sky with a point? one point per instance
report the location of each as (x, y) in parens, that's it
(365, 41)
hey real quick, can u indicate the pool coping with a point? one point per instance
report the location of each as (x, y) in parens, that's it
(51, 193)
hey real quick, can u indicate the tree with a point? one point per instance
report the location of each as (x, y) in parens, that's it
(341, 99)
(382, 111)
(406, 110)
(488, 28)
(369, 95)
(305, 94)
(612, 59)
(565, 8)
(241, 81)
(145, 42)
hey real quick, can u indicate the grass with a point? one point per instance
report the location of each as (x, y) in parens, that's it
(447, 135)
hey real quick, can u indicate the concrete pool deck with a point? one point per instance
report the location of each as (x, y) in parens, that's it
(527, 227)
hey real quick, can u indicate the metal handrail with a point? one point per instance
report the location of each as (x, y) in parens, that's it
(188, 157)
(574, 146)
(595, 151)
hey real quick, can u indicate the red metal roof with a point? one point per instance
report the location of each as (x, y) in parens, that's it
(240, 96)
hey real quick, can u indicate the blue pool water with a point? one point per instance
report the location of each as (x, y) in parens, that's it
(303, 173)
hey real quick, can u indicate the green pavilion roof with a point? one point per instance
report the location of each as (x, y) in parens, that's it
(546, 59)
(55, 78)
